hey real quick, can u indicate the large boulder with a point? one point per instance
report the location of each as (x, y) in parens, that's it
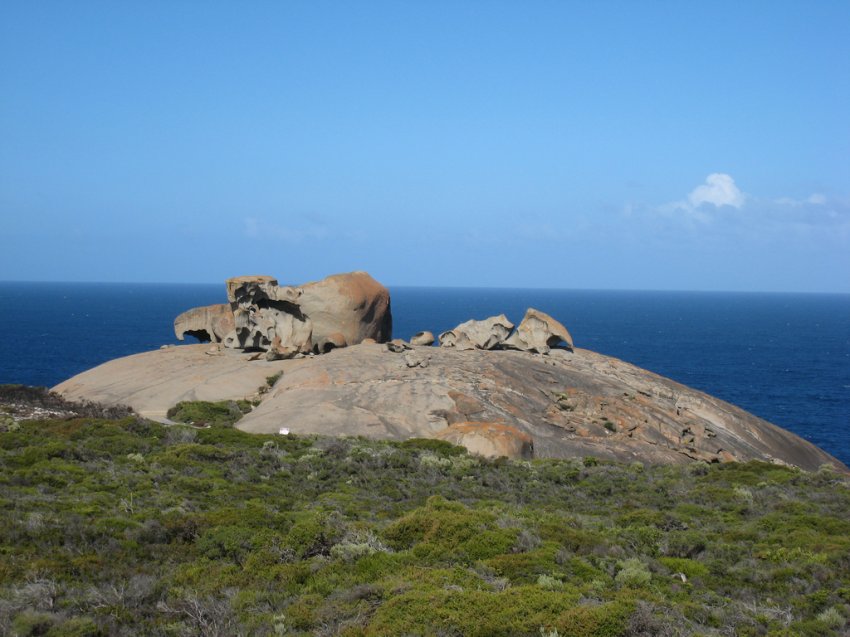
(539, 332)
(211, 323)
(352, 306)
(486, 334)
(489, 439)
(341, 310)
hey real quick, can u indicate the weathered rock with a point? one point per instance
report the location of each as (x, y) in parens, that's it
(489, 439)
(267, 316)
(571, 404)
(486, 334)
(397, 346)
(329, 342)
(208, 323)
(285, 321)
(354, 306)
(416, 359)
(422, 338)
(539, 332)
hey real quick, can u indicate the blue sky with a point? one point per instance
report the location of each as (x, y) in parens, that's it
(621, 145)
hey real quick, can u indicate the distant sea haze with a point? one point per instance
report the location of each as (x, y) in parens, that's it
(783, 357)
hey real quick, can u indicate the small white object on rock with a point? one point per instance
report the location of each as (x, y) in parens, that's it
(283, 431)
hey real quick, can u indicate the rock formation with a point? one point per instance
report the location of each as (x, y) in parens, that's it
(422, 338)
(208, 323)
(539, 332)
(341, 310)
(571, 404)
(345, 309)
(486, 334)
(267, 316)
(489, 439)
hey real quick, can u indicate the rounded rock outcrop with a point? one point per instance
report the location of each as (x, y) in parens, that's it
(422, 338)
(486, 334)
(539, 332)
(353, 305)
(489, 439)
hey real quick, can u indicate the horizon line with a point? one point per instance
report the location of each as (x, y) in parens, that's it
(458, 287)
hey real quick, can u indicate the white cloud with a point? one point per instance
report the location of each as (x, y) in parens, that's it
(719, 193)
(719, 202)
(815, 199)
(718, 190)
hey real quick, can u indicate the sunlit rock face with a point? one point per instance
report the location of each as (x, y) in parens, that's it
(539, 332)
(566, 404)
(285, 321)
(527, 393)
(210, 323)
(487, 334)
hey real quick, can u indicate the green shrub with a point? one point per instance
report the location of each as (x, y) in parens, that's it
(437, 447)
(690, 568)
(549, 583)
(444, 530)
(832, 618)
(633, 573)
(303, 534)
(214, 414)
(32, 623)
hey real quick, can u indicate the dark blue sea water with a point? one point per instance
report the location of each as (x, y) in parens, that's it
(784, 357)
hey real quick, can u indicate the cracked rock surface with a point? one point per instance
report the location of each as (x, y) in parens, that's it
(566, 404)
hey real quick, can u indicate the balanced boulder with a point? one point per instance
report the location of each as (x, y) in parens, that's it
(486, 334)
(352, 306)
(539, 332)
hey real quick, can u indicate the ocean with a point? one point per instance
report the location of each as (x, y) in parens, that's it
(783, 357)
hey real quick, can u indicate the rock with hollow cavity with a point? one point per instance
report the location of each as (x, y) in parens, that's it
(422, 338)
(286, 321)
(486, 334)
(210, 323)
(267, 316)
(489, 439)
(539, 332)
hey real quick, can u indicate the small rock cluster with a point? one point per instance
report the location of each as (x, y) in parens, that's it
(538, 332)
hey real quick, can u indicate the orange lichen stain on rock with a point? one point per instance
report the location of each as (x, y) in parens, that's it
(489, 439)
(466, 405)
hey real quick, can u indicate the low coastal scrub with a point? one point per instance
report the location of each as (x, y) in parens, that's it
(206, 414)
(126, 527)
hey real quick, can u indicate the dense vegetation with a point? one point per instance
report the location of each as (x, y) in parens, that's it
(124, 527)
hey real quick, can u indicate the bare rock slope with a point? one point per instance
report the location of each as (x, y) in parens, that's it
(501, 402)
